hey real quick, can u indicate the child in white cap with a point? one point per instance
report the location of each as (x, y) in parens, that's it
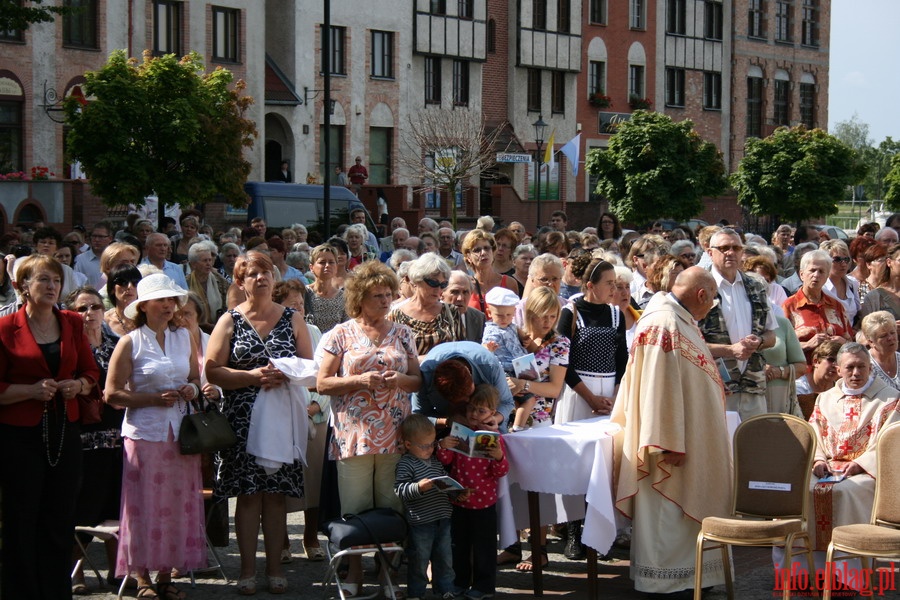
(501, 336)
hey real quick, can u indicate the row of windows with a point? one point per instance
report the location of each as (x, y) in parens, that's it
(676, 89)
(535, 92)
(676, 18)
(784, 20)
(781, 105)
(433, 92)
(80, 29)
(381, 53)
(563, 15)
(465, 9)
(597, 79)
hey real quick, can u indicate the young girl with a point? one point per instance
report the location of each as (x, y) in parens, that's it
(474, 520)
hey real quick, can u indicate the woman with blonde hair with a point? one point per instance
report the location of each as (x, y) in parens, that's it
(190, 227)
(880, 329)
(327, 308)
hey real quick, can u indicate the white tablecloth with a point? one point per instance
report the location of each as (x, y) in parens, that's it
(568, 464)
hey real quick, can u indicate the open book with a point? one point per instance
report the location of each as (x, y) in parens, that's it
(477, 444)
(447, 484)
(526, 367)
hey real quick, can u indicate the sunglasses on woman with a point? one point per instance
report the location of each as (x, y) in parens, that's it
(434, 283)
(125, 281)
(87, 307)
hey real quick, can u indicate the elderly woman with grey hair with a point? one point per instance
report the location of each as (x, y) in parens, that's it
(206, 282)
(431, 321)
(228, 255)
(522, 257)
(685, 249)
(880, 329)
(816, 316)
(355, 236)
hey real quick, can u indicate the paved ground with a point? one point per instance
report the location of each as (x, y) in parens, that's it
(563, 578)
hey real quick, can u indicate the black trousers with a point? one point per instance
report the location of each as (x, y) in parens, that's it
(474, 538)
(38, 510)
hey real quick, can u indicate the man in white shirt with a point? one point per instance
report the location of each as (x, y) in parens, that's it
(156, 248)
(88, 263)
(739, 327)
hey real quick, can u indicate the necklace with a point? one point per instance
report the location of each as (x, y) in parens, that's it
(45, 432)
(46, 337)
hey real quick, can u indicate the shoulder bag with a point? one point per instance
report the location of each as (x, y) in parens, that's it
(205, 430)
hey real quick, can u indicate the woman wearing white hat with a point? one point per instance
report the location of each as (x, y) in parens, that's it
(152, 376)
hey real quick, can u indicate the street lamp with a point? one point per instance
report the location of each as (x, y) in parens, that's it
(539, 127)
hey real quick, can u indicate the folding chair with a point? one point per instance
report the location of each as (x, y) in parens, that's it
(217, 564)
(773, 458)
(344, 532)
(107, 530)
(880, 538)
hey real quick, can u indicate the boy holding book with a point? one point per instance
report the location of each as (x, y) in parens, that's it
(501, 336)
(474, 520)
(428, 510)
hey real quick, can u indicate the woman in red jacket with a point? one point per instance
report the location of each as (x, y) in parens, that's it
(45, 361)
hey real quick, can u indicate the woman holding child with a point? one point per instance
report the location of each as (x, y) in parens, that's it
(369, 365)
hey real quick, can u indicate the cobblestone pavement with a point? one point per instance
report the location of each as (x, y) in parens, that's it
(562, 578)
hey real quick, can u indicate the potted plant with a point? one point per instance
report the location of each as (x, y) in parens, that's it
(600, 100)
(638, 103)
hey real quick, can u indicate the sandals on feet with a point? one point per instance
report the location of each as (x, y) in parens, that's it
(146, 591)
(527, 565)
(510, 555)
(166, 590)
(80, 588)
(277, 585)
(314, 553)
(246, 586)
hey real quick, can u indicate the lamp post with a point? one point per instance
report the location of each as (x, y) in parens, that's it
(539, 127)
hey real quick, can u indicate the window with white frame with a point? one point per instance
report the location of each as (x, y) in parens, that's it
(756, 19)
(226, 33)
(596, 77)
(383, 54)
(636, 81)
(675, 87)
(636, 14)
(810, 33)
(166, 27)
(783, 20)
(712, 90)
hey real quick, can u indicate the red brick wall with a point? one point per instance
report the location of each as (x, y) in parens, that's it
(495, 86)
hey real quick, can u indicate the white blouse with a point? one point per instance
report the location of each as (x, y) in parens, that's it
(157, 370)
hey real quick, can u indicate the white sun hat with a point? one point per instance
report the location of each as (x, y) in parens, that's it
(154, 287)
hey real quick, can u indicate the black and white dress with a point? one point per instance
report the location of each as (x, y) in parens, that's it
(238, 472)
(597, 355)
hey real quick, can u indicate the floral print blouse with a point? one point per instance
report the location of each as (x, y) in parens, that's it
(368, 421)
(554, 353)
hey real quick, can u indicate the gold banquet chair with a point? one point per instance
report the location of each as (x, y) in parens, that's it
(773, 459)
(880, 538)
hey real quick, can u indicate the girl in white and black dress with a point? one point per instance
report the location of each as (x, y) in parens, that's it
(598, 352)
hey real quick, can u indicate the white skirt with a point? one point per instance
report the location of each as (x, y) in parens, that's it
(572, 407)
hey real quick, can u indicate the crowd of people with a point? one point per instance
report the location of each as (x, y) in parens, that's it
(109, 337)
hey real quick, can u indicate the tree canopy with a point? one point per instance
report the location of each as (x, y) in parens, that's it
(162, 125)
(855, 133)
(656, 168)
(892, 182)
(16, 15)
(796, 173)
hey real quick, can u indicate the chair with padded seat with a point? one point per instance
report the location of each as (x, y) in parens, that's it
(880, 538)
(773, 459)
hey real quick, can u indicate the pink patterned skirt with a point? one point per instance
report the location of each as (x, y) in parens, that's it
(161, 523)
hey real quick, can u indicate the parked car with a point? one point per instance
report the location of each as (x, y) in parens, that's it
(283, 204)
(834, 233)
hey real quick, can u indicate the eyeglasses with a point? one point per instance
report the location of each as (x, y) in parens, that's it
(87, 307)
(434, 283)
(723, 249)
(840, 259)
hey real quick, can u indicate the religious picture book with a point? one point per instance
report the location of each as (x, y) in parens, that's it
(836, 477)
(477, 444)
(447, 484)
(526, 367)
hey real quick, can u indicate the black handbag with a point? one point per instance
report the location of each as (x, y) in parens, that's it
(206, 430)
(374, 526)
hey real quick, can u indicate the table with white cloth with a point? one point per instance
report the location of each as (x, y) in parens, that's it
(564, 473)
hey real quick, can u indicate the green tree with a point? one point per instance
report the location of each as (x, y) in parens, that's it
(655, 168)
(165, 126)
(796, 173)
(879, 161)
(892, 184)
(16, 15)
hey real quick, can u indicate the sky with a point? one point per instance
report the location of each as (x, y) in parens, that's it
(865, 65)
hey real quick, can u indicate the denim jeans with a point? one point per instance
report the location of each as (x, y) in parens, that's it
(429, 541)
